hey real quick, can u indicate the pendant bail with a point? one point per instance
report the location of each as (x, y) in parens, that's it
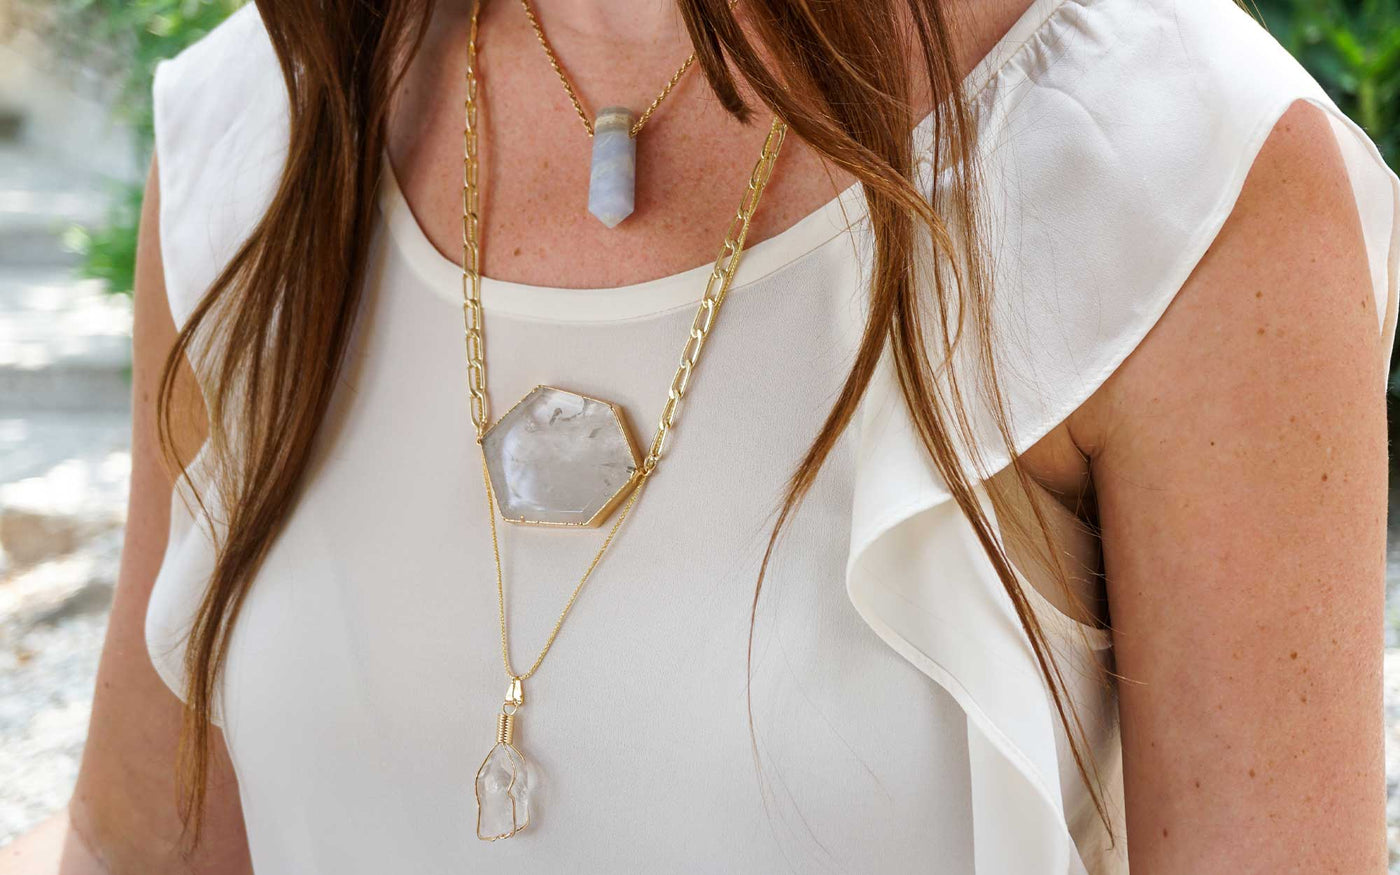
(515, 693)
(505, 728)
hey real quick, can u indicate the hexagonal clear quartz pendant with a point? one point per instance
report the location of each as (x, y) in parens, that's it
(558, 458)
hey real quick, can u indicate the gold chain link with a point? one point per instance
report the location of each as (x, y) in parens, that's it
(471, 248)
(573, 94)
(716, 289)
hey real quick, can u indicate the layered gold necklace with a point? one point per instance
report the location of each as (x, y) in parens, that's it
(559, 458)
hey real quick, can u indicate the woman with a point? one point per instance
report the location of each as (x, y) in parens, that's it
(1019, 520)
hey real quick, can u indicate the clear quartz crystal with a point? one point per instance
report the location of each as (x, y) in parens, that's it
(503, 808)
(558, 458)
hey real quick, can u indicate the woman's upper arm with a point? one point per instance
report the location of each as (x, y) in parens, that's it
(124, 806)
(1239, 457)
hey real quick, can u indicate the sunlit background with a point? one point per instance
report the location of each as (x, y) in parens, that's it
(75, 134)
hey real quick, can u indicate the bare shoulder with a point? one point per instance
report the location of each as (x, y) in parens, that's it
(1239, 464)
(1285, 281)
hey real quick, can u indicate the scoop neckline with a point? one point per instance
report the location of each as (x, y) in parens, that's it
(840, 214)
(612, 303)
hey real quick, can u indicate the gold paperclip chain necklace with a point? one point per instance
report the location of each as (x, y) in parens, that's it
(716, 289)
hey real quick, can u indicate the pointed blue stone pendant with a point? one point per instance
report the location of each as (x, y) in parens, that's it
(612, 181)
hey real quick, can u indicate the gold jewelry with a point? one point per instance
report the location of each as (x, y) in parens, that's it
(636, 126)
(502, 780)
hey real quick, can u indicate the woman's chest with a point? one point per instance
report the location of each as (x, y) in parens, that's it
(366, 669)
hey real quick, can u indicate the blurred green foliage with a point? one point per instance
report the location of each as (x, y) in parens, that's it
(123, 40)
(1352, 47)
(126, 38)
(109, 252)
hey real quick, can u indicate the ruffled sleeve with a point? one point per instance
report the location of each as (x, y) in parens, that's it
(221, 134)
(1114, 141)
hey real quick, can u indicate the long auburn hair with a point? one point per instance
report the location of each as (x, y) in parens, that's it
(285, 303)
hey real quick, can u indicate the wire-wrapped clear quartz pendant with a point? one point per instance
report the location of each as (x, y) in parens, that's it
(502, 793)
(503, 780)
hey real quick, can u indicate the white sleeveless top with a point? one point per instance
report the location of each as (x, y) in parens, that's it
(901, 722)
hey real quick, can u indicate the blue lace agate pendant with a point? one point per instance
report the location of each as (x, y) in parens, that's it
(612, 180)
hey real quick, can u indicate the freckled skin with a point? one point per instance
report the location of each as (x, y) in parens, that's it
(536, 157)
(1253, 555)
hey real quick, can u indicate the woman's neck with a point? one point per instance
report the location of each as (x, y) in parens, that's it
(623, 23)
(694, 157)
